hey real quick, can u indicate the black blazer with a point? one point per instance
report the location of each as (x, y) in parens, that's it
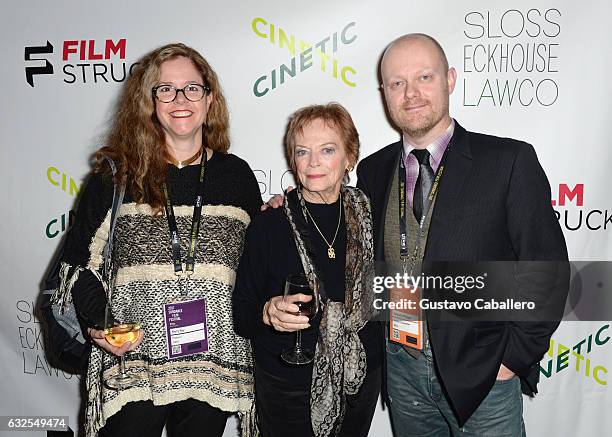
(493, 204)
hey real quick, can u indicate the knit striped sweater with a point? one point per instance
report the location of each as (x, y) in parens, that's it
(144, 281)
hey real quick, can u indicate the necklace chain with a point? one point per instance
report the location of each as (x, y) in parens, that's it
(331, 253)
(186, 162)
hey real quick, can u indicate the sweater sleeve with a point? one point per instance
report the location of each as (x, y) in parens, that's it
(250, 190)
(248, 297)
(82, 256)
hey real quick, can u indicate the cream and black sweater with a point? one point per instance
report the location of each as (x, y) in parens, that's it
(144, 281)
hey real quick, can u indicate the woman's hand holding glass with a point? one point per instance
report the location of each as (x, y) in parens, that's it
(99, 339)
(124, 335)
(281, 313)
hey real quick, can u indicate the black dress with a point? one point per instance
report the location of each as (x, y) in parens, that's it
(282, 391)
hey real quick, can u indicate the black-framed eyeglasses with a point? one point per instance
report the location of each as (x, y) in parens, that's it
(193, 92)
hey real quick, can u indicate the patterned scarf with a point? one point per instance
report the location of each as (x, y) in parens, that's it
(340, 361)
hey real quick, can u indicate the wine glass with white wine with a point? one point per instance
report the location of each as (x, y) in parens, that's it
(117, 333)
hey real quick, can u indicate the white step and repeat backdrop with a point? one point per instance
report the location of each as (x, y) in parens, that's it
(535, 70)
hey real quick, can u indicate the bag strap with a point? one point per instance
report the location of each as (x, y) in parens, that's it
(118, 193)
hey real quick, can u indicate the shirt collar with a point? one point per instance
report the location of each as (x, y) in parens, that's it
(437, 147)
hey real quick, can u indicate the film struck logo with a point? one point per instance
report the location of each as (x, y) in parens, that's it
(572, 213)
(304, 56)
(83, 61)
(33, 66)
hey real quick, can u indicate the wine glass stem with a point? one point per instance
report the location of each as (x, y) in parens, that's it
(298, 341)
(122, 364)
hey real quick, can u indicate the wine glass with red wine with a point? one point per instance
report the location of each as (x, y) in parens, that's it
(298, 284)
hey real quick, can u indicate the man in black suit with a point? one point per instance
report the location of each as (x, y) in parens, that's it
(492, 203)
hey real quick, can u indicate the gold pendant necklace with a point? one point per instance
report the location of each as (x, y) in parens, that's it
(185, 163)
(331, 253)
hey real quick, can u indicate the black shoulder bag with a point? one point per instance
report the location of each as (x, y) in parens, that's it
(65, 343)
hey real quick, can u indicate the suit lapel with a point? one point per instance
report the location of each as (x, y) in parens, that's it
(458, 167)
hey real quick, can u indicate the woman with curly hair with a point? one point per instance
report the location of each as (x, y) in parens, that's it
(184, 194)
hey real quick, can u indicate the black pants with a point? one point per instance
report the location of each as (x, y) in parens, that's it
(188, 418)
(284, 410)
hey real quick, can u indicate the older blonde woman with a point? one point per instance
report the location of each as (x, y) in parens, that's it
(324, 231)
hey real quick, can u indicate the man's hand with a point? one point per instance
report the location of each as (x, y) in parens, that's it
(97, 337)
(281, 315)
(504, 373)
(275, 201)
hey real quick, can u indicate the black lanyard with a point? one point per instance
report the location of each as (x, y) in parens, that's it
(195, 225)
(402, 208)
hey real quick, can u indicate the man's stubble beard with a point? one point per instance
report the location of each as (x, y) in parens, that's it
(422, 125)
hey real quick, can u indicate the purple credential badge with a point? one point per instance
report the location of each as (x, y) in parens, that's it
(186, 329)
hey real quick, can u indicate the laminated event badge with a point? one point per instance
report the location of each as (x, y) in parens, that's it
(405, 321)
(186, 328)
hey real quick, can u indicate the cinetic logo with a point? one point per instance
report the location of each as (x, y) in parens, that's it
(84, 61)
(576, 358)
(572, 211)
(66, 183)
(320, 55)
